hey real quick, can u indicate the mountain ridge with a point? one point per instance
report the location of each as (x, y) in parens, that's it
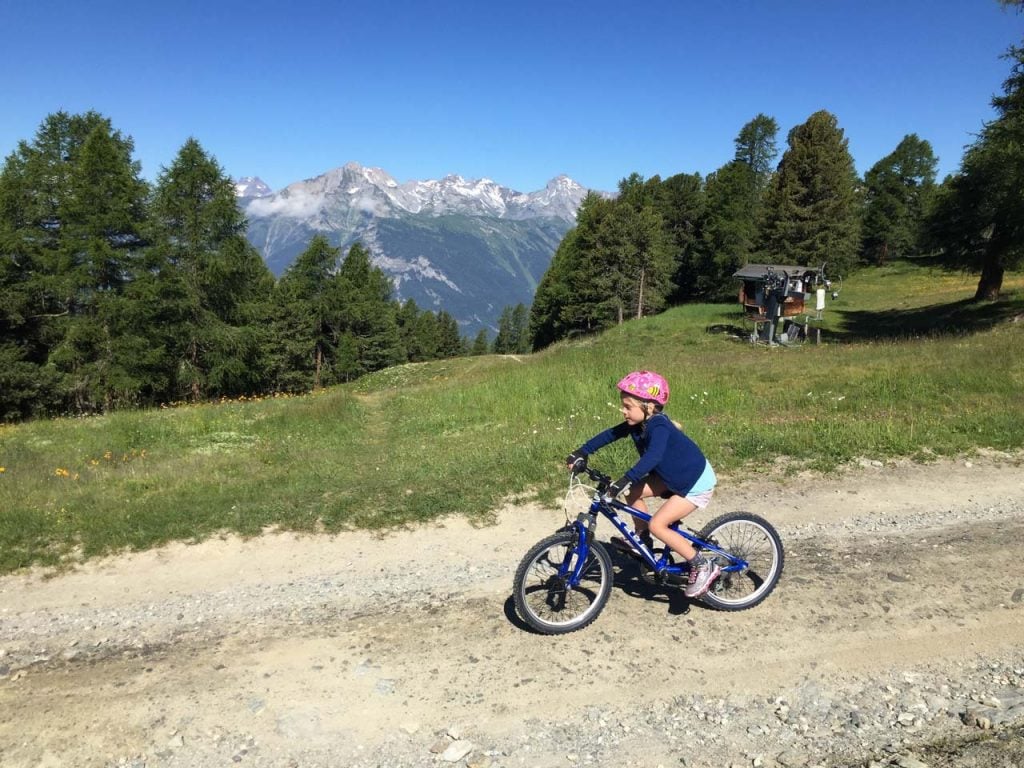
(467, 246)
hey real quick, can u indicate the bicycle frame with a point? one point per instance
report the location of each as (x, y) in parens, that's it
(661, 565)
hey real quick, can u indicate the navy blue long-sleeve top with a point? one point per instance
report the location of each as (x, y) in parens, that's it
(664, 450)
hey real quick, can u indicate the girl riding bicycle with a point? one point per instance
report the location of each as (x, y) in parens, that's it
(671, 467)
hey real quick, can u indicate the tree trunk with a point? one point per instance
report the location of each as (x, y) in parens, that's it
(991, 282)
(193, 358)
(640, 296)
(319, 362)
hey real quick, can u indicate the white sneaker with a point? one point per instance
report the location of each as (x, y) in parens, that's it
(702, 575)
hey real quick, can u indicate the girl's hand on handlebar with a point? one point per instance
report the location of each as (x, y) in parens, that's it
(576, 461)
(617, 487)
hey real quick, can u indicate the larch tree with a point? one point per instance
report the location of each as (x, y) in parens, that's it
(978, 219)
(897, 195)
(811, 213)
(72, 207)
(306, 320)
(215, 288)
(368, 336)
(735, 199)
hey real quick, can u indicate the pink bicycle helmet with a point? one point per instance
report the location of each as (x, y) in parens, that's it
(645, 385)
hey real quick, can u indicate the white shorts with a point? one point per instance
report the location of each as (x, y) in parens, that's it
(700, 500)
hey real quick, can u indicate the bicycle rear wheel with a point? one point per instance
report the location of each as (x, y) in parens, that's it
(754, 540)
(544, 598)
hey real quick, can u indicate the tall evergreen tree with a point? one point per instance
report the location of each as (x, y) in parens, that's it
(71, 209)
(450, 341)
(513, 331)
(480, 344)
(590, 302)
(811, 214)
(306, 321)
(978, 219)
(735, 199)
(521, 327)
(214, 287)
(637, 249)
(757, 148)
(417, 332)
(106, 361)
(547, 321)
(682, 203)
(368, 334)
(897, 193)
(616, 263)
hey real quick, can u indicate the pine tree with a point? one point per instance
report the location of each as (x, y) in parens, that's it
(106, 361)
(521, 328)
(616, 263)
(811, 213)
(638, 251)
(214, 287)
(480, 344)
(547, 313)
(756, 148)
(897, 193)
(513, 331)
(450, 341)
(417, 332)
(368, 333)
(682, 203)
(306, 322)
(735, 200)
(503, 340)
(71, 209)
(977, 221)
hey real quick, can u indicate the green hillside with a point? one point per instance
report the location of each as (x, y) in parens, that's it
(911, 367)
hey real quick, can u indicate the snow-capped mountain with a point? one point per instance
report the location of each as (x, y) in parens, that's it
(252, 186)
(468, 246)
(374, 191)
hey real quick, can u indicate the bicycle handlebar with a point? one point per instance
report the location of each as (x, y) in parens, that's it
(602, 480)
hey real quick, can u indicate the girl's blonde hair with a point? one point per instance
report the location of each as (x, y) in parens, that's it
(658, 407)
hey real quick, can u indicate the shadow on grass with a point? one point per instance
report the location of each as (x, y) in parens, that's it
(959, 317)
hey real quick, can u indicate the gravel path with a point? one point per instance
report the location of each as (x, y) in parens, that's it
(896, 638)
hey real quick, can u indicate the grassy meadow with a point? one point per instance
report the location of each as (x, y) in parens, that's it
(910, 367)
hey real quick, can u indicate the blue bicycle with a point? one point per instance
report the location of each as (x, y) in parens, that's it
(563, 582)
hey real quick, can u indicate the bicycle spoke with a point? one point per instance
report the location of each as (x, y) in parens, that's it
(544, 593)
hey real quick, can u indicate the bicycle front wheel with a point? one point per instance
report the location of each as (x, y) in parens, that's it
(543, 595)
(753, 540)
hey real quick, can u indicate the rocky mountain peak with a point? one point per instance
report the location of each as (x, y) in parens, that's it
(374, 191)
(252, 187)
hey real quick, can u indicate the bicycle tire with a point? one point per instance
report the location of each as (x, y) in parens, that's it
(755, 540)
(543, 600)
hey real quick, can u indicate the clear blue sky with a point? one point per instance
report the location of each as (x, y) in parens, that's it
(516, 91)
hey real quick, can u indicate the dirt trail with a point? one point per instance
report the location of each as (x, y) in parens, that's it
(900, 582)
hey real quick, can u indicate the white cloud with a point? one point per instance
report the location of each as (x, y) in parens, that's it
(294, 204)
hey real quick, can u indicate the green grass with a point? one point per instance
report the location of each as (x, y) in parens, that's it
(910, 368)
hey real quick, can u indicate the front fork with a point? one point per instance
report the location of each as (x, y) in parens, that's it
(577, 557)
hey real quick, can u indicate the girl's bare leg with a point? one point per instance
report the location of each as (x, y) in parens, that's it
(635, 498)
(672, 511)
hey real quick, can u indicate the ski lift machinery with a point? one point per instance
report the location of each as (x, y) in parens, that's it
(784, 303)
